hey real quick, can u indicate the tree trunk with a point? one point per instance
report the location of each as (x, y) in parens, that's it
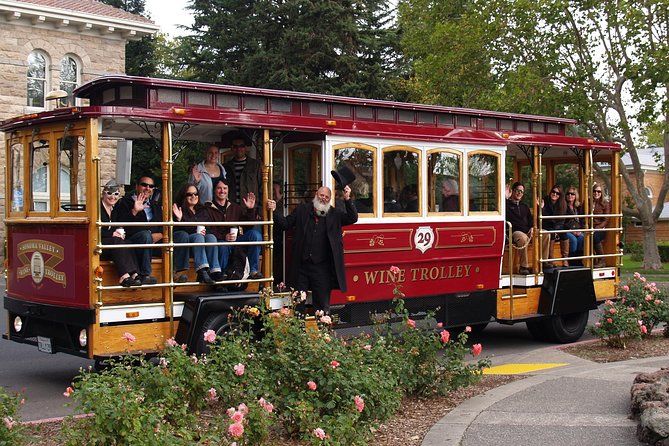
(651, 255)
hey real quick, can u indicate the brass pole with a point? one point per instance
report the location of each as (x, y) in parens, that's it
(168, 231)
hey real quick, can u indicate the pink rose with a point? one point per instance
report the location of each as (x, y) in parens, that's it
(440, 324)
(612, 310)
(649, 297)
(597, 324)
(236, 430)
(626, 288)
(9, 422)
(643, 279)
(239, 369)
(476, 349)
(637, 275)
(68, 392)
(445, 336)
(243, 408)
(468, 329)
(171, 342)
(312, 385)
(644, 330)
(367, 347)
(359, 403)
(231, 411)
(269, 407)
(394, 270)
(212, 395)
(609, 320)
(327, 320)
(128, 337)
(209, 336)
(163, 363)
(334, 364)
(658, 301)
(411, 323)
(320, 433)
(237, 416)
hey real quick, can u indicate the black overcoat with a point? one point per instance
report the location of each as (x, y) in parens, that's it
(338, 216)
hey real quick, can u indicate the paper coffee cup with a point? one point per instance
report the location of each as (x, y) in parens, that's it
(121, 231)
(234, 231)
(200, 229)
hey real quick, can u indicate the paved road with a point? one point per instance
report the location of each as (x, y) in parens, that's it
(43, 377)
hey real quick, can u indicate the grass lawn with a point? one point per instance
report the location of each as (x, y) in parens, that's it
(630, 266)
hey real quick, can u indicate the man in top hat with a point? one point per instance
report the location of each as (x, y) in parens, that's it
(317, 262)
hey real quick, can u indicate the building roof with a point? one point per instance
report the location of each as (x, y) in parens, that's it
(89, 7)
(649, 158)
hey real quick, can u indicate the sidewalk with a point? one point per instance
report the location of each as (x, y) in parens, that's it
(581, 403)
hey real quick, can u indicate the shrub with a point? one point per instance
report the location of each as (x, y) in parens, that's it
(617, 324)
(11, 431)
(319, 387)
(635, 250)
(647, 299)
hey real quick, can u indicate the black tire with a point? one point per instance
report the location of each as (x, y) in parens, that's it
(566, 328)
(219, 322)
(537, 329)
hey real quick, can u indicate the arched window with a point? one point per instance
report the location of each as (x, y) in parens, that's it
(69, 79)
(444, 181)
(484, 181)
(38, 68)
(401, 180)
(361, 160)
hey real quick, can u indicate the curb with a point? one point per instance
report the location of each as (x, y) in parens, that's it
(54, 420)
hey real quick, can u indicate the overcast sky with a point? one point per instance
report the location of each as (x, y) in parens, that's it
(169, 14)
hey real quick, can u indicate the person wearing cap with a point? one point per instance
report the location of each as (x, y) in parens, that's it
(243, 173)
(140, 207)
(123, 258)
(317, 262)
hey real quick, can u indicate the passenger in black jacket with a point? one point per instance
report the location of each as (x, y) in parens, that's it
(317, 262)
(522, 224)
(553, 204)
(139, 207)
(123, 258)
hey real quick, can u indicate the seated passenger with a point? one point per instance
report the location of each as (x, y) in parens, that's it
(390, 203)
(553, 204)
(575, 238)
(123, 258)
(188, 208)
(522, 225)
(410, 197)
(599, 206)
(450, 201)
(222, 209)
(139, 207)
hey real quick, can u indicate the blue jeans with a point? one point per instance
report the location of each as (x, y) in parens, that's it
(201, 254)
(599, 236)
(143, 255)
(575, 243)
(252, 252)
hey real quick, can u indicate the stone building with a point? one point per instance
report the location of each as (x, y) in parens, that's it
(58, 44)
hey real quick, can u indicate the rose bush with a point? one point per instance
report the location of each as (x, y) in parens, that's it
(11, 431)
(647, 299)
(315, 385)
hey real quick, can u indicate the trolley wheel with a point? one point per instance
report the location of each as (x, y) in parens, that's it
(219, 322)
(562, 328)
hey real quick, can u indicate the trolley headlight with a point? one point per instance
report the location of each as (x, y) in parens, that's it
(83, 337)
(18, 324)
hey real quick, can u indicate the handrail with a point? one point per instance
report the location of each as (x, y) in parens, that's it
(510, 241)
(183, 223)
(181, 245)
(570, 216)
(182, 284)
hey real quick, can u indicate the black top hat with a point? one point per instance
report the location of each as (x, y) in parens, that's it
(343, 176)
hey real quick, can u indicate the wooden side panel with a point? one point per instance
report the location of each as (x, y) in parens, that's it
(530, 256)
(605, 289)
(109, 341)
(522, 306)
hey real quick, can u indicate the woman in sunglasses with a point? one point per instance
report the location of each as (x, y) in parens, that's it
(189, 209)
(123, 259)
(599, 206)
(575, 237)
(553, 204)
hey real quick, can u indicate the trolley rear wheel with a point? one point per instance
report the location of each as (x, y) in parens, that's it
(563, 328)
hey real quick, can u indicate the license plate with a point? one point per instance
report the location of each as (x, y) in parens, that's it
(44, 344)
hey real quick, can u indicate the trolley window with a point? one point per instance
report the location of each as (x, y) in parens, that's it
(39, 172)
(17, 183)
(401, 179)
(484, 182)
(360, 158)
(72, 173)
(444, 181)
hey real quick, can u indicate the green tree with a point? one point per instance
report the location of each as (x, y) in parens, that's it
(603, 63)
(338, 47)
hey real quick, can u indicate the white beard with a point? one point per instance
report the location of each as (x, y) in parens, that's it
(321, 208)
